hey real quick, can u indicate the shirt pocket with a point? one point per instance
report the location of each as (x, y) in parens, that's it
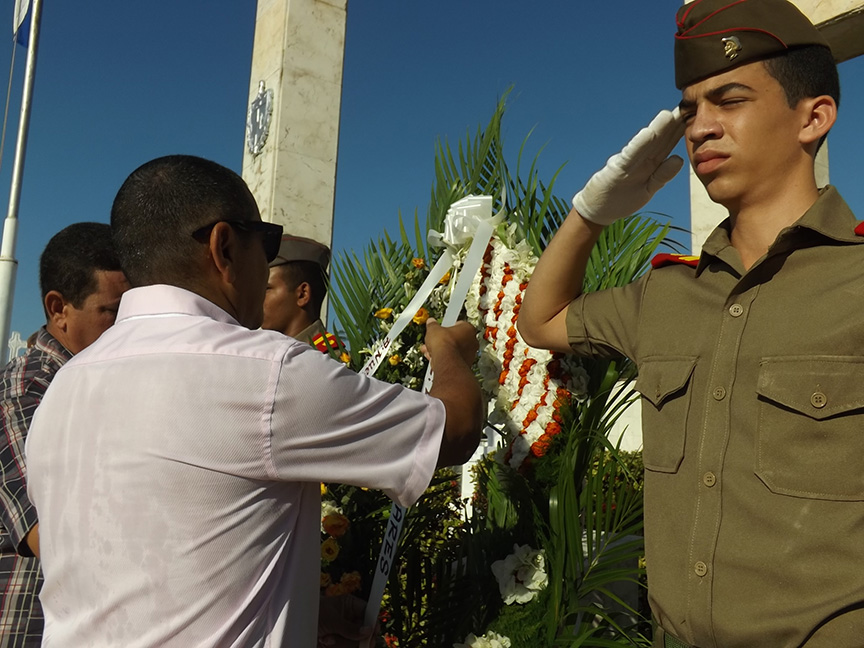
(811, 431)
(664, 383)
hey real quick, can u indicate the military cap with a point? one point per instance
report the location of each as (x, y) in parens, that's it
(717, 35)
(300, 248)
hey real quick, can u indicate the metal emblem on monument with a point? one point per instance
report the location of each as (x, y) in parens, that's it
(258, 119)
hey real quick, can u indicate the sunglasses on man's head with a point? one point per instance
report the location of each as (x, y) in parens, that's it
(272, 233)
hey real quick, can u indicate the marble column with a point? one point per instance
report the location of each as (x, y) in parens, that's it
(297, 71)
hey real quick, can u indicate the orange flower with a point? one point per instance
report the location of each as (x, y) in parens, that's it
(445, 278)
(421, 316)
(329, 549)
(323, 488)
(350, 582)
(418, 263)
(395, 359)
(345, 358)
(391, 641)
(335, 590)
(335, 525)
(384, 313)
(541, 445)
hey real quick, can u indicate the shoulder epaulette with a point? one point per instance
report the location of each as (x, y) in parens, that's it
(859, 230)
(668, 259)
(325, 341)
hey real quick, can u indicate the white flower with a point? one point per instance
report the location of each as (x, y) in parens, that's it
(489, 640)
(521, 575)
(410, 382)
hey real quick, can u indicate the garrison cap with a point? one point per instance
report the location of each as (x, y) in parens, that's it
(717, 35)
(300, 248)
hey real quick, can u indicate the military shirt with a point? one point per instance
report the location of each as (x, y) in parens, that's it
(307, 334)
(752, 385)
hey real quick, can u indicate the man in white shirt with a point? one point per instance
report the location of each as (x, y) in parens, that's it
(175, 464)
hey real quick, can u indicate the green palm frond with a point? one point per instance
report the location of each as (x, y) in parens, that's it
(582, 502)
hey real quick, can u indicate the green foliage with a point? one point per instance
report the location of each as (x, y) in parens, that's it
(581, 502)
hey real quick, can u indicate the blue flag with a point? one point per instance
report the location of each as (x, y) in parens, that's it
(21, 22)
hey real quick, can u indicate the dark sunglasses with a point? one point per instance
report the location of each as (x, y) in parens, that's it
(272, 232)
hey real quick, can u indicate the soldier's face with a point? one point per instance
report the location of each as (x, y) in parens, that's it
(280, 302)
(741, 135)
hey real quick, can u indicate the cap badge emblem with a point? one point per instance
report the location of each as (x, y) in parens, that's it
(731, 47)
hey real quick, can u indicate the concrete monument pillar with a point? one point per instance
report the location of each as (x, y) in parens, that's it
(842, 23)
(292, 131)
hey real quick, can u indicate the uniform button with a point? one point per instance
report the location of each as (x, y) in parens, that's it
(709, 479)
(736, 310)
(718, 393)
(700, 568)
(818, 400)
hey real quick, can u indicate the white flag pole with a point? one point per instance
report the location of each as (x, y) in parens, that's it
(8, 263)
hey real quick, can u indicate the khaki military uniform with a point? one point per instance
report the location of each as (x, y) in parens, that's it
(317, 336)
(752, 387)
(312, 331)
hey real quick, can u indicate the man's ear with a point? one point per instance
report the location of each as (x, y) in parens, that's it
(56, 308)
(223, 251)
(820, 113)
(303, 293)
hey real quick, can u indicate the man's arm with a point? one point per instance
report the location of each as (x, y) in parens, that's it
(452, 351)
(622, 187)
(22, 389)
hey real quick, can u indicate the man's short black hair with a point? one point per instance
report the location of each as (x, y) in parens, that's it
(70, 261)
(297, 272)
(159, 206)
(803, 72)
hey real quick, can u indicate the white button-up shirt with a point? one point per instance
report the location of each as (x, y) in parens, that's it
(175, 468)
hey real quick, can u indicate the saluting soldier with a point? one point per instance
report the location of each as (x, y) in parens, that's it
(295, 292)
(750, 357)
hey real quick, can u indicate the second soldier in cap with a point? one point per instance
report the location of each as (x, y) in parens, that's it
(296, 289)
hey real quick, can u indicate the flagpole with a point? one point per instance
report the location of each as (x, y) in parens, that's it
(8, 263)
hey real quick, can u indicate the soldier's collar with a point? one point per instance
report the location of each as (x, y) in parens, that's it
(832, 217)
(829, 216)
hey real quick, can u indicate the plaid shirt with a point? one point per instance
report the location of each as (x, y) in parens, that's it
(22, 385)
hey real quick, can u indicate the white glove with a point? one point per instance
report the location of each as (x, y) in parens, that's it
(632, 176)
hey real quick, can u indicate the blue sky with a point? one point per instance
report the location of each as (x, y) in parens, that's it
(119, 83)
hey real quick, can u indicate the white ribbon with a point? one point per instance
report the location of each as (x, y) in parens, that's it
(442, 266)
(468, 221)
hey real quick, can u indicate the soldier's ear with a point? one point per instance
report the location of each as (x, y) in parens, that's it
(819, 114)
(303, 292)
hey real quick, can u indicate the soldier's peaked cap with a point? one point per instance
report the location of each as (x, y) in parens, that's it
(717, 35)
(300, 248)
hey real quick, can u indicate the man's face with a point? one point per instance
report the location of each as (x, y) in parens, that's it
(741, 134)
(280, 302)
(98, 311)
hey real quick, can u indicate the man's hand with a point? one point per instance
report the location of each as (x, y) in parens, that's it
(339, 623)
(32, 539)
(451, 351)
(632, 176)
(461, 336)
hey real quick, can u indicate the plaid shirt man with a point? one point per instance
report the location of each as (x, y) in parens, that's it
(22, 385)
